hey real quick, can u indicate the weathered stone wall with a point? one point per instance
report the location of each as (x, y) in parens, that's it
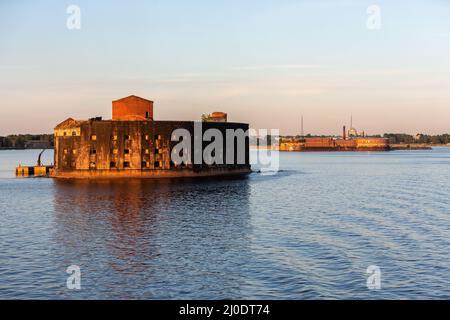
(372, 143)
(115, 146)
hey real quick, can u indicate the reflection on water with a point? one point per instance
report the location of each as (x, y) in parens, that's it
(146, 233)
(310, 231)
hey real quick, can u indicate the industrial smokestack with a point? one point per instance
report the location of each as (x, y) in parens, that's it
(344, 134)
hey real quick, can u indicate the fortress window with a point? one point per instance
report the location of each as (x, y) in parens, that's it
(93, 151)
(112, 164)
(158, 137)
(145, 164)
(147, 115)
(126, 151)
(126, 164)
(157, 163)
(65, 133)
(127, 137)
(93, 137)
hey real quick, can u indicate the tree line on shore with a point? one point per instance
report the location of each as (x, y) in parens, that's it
(27, 141)
(401, 138)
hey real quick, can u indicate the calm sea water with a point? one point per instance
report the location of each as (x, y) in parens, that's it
(308, 232)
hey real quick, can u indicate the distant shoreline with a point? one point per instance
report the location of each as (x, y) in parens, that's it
(12, 148)
(393, 147)
(414, 146)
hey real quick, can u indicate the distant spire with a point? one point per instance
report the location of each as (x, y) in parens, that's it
(301, 122)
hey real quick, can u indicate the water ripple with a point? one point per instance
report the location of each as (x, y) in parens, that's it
(307, 232)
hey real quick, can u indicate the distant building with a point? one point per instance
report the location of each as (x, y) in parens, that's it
(132, 144)
(333, 144)
(350, 141)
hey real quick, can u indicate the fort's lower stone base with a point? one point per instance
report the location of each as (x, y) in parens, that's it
(151, 174)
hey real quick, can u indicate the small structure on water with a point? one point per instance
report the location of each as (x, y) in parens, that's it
(38, 170)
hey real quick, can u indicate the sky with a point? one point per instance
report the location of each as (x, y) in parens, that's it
(263, 62)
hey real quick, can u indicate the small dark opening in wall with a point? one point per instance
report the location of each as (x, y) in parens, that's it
(127, 137)
(144, 164)
(156, 164)
(126, 151)
(147, 115)
(93, 151)
(112, 164)
(126, 164)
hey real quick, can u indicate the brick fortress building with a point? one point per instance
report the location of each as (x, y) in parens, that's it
(132, 144)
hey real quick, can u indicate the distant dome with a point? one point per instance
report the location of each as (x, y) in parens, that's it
(352, 132)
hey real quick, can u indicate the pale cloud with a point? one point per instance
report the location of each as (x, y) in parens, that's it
(277, 67)
(388, 72)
